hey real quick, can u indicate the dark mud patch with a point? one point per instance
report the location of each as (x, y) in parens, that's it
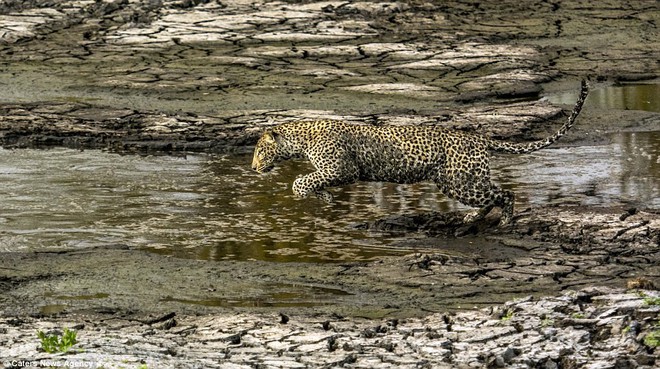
(447, 224)
(84, 126)
(557, 248)
(544, 252)
(526, 222)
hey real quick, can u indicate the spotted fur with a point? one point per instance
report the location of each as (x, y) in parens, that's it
(344, 153)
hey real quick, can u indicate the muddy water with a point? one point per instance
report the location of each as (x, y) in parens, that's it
(214, 207)
(626, 171)
(627, 97)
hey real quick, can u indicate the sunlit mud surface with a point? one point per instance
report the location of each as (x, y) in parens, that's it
(214, 207)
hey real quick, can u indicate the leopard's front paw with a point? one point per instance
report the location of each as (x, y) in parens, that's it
(299, 189)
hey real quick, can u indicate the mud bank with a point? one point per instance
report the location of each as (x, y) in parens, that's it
(545, 252)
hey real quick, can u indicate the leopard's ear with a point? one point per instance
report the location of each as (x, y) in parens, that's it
(268, 136)
(271, 137)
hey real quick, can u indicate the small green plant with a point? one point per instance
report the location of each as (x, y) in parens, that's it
(507, 315)
(652, 339)
(52, 343)
(577, 316)
(547, 322)
(650, 300)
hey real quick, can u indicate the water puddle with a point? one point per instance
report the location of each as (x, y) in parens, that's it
(278, 296)
(52, 309)
(627, 171)
(77, 297)
(624, 97)
(215, 207)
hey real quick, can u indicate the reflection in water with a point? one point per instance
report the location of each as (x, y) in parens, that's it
(216, 207)
(626, 171)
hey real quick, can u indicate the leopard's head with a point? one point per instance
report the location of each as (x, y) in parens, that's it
(267, 152)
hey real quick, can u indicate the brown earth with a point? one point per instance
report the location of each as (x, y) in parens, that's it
(178, 76)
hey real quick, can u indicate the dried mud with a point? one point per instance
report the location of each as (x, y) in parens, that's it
(209, 76)
(179, 76)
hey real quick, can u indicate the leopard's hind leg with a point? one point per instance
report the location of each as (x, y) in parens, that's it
(484, 196)
(469, 182)
(496, 197)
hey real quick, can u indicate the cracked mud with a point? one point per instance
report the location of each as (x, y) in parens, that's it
(157, 77)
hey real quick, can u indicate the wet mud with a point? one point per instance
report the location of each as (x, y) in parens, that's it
(136, 76)
(544, 252)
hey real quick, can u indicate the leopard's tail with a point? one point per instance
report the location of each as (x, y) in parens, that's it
(515, 148)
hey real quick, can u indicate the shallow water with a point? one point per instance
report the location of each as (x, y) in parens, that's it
(215, 207)
(625, 97)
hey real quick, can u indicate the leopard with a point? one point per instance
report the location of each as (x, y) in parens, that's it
(343, 153)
